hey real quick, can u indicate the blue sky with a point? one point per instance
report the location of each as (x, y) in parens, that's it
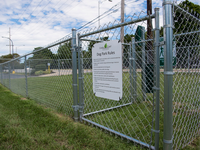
(37, 23)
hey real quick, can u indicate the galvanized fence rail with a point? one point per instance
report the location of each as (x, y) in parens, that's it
(160, 103)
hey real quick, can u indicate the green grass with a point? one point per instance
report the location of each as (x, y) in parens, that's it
(133, 120)
(195, 145)
(55, 92)
(27, 125)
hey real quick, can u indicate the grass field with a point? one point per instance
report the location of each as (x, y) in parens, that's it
(133, 120)
(26, 125)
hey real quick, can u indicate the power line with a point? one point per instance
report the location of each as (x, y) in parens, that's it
(105, 14)
(48, 18)
(110, 11)
(32, 12)
(25, 10)
(101, 16)
(51, 18)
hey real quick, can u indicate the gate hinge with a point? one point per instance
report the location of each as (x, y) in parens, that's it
(75, 107)
(74, 49)
(162, 43)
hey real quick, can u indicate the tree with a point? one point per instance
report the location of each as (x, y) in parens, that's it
(15, 64)
(187, 44)
(64, 55)
(64, 51)
(184, 24)
(40, 59)
(87, 55)
(43, 54)
(8, 57)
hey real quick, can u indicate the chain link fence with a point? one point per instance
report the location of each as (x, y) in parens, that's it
(44, 75)
(186, 98)
(131, 116)
(159, 107)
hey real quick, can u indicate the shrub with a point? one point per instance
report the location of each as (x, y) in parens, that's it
(47, 72)
(40, 67)
(40, 72)
(32, 72)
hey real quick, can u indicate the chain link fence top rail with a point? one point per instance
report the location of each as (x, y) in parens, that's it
(186, 98)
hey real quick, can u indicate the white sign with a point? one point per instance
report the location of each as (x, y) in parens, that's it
(107, 70)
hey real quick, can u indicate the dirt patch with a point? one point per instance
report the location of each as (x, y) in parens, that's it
(23, 98)
(63, 117)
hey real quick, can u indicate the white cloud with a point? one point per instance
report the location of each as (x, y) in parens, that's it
(43, 22)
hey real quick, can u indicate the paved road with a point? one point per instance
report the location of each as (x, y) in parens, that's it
(14, 76)
(57, 72)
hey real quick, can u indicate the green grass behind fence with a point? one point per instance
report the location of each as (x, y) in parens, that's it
(57, 92)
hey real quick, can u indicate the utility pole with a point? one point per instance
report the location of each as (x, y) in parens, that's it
(149, 62)
(122, 20)
(150, 55)
(149, 12)
(9, 40)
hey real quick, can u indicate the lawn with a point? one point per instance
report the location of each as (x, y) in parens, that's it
(135, 119)
(26, 125)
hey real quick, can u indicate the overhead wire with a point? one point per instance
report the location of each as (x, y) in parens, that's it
(36, 26)
(20, 17)
(32, 13)
(48, 20)
(99, 17)
(105, 14)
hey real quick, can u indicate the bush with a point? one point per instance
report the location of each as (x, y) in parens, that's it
(40, 72)
(32, 72)
(47, 72)
(40, 67)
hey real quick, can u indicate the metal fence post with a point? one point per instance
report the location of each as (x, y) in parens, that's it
(1, 69)
(143, 65)
(168, 74)
(74, 73)
(80, 77)
(133, 74)
(59, 66)
(25, 67)
(29, 67)
(9, 71)
(188, 60)
(157, 75)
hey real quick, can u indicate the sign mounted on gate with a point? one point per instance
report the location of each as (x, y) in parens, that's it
(107, 70)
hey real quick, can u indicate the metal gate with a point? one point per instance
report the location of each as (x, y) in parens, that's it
(132, 117)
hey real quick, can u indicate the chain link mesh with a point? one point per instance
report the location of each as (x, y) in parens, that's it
(46, 76)
(186, 78)
(49, 77)
(132, 115)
